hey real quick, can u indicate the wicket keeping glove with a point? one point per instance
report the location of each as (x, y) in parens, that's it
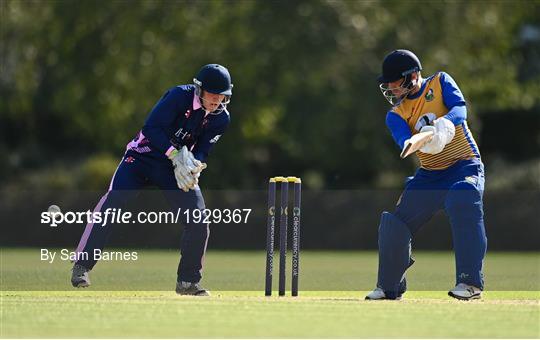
(187, 168)
(194, 164)
(443, 133)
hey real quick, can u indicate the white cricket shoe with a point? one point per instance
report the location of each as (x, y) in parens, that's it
(465, 292)
(378, 294)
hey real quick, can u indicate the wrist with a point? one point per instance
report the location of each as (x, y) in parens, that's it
(170, 150)
(172, 153)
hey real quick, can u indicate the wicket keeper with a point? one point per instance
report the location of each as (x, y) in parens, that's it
(169, 152)
(450, 177)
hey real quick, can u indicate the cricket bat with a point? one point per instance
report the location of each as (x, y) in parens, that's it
(415, 143)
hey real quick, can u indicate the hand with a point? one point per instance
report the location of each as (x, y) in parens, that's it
(196, 173)
(185, 182)
(445, 128)
(435, 145)
(187, 169)
(182, 172)
(191, 162)
(443, 132)
(195, 180)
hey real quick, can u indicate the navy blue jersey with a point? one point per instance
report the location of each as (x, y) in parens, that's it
(176, 120)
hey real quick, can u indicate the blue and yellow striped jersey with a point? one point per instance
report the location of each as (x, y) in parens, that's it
(439, 96)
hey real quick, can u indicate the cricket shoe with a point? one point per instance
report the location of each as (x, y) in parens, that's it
(378, 294)
(80, 277)
(465, 292)
(189, 288)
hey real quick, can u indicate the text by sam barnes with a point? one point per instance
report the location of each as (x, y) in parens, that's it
(97, 255)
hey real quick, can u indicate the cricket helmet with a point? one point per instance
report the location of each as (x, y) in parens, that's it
(399, 64)
(214, 78)
(396, 65)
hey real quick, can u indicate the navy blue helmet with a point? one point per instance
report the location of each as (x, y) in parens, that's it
(399, 64)
(214, 78)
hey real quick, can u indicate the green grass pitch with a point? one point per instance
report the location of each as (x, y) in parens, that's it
(136, 299)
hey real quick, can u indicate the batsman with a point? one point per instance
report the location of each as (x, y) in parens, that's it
(169, 152)
(450, 177)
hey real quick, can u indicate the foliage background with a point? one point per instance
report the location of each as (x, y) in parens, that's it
(78, 79)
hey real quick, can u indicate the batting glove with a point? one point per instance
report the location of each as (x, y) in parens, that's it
(445, 128)
(443, 132)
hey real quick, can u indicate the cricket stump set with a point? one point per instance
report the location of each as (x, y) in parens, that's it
(283, 223)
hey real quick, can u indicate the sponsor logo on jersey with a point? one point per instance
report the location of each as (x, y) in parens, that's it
(182, 134)
(215, 139)
(429, 95)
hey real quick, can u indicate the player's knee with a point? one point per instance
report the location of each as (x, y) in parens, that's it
(392, 231)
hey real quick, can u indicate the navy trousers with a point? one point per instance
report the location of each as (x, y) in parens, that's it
(135, 172)
(459, 191)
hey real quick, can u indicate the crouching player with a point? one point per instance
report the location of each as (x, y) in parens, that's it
(169, 153)
(450, 177)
